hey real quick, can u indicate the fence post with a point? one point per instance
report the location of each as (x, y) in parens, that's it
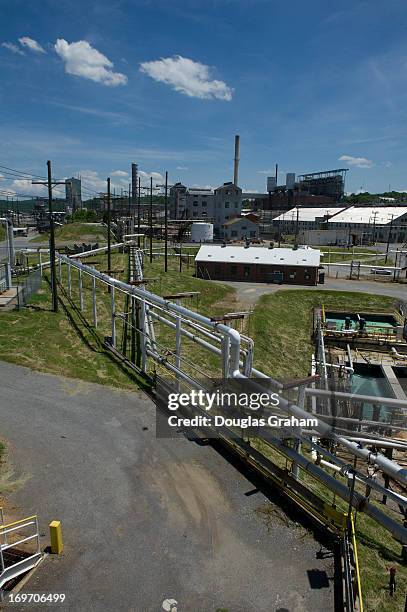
(297, 441)
(94, 306)
(143, 336)
(69, 281)
(80, 289)
(113, 307)
(8, 275)
(59, 270)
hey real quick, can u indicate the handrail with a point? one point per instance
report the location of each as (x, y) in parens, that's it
(355, 553)
(24, 520)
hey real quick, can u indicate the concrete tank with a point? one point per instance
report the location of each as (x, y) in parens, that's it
(202, 232)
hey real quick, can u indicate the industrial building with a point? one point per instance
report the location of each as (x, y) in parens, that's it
(218, 206)
(364, 224)
(240, 228)
(73, 193)
(258, 264)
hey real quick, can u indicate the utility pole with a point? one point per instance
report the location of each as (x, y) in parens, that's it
(18, 212)
(109, 259)
(166, 224)
(151, 219)
(388, 238)
(50, 184)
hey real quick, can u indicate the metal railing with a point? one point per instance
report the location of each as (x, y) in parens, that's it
(13, 536)
(233, 354)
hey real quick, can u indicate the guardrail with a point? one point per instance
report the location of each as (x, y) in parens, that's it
(12, 536)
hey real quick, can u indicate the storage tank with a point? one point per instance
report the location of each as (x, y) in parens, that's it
(202, 232)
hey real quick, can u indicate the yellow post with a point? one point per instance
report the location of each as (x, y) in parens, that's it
(55, 531)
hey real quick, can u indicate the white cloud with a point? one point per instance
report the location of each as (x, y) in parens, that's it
(188, 77)
(12, 47)
(24, 186)
(182, 168)
(31, 44)
(119, 173)
(158, 178)
(359, 162)
(81, 59)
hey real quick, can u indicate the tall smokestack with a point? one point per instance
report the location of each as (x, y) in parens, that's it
(134, 182)
(237, 159)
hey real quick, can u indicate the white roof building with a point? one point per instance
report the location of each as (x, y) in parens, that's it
(380, 215)
(308, 214)
(303, 256)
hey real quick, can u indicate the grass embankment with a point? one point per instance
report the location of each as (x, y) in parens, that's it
(76, 232)
(281, 326)
(67, 344)
(2, 232)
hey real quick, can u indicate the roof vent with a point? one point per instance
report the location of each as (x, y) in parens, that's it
(223, 245)
(271, 245)
(295, 247)
(247, 244)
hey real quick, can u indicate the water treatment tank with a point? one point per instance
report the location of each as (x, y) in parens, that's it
(202, 232)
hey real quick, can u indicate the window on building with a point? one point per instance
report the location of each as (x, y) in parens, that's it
(292, 275)
(252, 234)
(226, 204)
(226, 216)
(233, 233)
(246, 271)
(233, 269)
(204, 204)
(195, 213)
(195, 203)
(244, 227)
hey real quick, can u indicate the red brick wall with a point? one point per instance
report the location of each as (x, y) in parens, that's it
(256, 273)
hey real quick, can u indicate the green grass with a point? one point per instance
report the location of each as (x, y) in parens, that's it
(76, 232)
(2, 232)
(281, 326)
(67, 344)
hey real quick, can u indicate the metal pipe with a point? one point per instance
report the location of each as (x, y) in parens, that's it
(144, 294)
(340, 463)
(358, 501)
(369, 399)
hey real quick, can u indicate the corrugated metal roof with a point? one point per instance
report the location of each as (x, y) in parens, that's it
(380, 215)
(352, 214)
(305, 257)
(308, 214)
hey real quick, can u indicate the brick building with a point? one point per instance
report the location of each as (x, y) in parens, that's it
(258, 264)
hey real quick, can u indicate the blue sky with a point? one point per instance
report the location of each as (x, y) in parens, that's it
(169, 83)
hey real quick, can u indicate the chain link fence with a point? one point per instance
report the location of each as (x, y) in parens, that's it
(27, 286)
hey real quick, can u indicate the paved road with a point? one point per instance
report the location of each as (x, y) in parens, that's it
(248, 293)
(145, 519)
